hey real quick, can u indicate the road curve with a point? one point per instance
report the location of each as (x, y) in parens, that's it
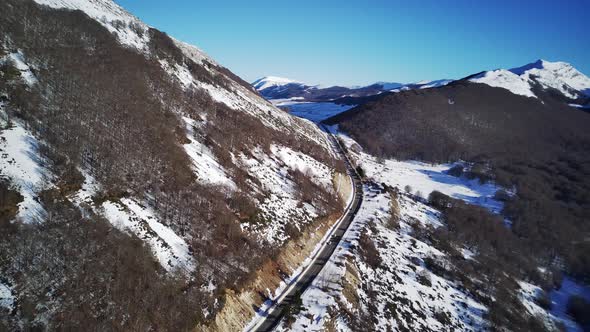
(274, 314)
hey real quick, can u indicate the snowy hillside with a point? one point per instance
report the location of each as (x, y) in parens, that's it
(385, 275)
(560, 76)
(152, 159)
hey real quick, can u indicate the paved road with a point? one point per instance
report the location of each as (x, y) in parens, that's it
(291, 293)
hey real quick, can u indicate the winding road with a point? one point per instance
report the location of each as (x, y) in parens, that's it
(273, 314)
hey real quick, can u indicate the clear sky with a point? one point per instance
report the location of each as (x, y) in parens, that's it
(356, 42)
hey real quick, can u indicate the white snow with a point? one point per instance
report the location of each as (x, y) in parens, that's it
(433, 84)
(556, 75)
(281, 204)
(295, 160)
(194, 53)
(273, 296)
(505, 79)
(580, 106)
(560, 298)
(127, 215)
(129, 29)
(206, 167)
(6, 298)
(272, 81)
(401, 253)
(89, 188)
(238, 98)
(397, 249)
(20, 163)
(425, 178)
(169, 249)
(527, 295)
(18, 61)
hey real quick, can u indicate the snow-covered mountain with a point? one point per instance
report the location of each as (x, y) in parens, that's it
(532, 80)
(275, 88)
(540, 76)
(135, 167)
(272, 81)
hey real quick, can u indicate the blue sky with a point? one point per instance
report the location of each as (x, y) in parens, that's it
(359, 42)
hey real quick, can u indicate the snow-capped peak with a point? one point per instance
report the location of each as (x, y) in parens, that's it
(555, 75)
(502, 78)
(558, 75)
(128, 28)
(272, 81)
(390, 85)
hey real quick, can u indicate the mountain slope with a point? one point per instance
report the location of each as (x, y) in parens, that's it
(536, 145)
(534, 79)
(139, 169)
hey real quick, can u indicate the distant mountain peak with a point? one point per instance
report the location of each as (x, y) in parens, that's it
(557, 75)
(273, 81)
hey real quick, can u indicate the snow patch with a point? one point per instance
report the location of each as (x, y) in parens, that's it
(317, 171)
(7, 299)
(21, 165)
(505, 79)
(169, 249)
(194, 53)
(560, 298)
(280, 206)
(206, 167)
(425, 178)
(18, 61)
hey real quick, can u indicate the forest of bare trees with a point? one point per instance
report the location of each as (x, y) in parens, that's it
(116, 114)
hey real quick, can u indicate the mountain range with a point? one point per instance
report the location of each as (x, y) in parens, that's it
(559, 77)
(273, 88)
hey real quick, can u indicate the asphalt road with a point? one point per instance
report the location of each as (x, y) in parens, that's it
(298, 286)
